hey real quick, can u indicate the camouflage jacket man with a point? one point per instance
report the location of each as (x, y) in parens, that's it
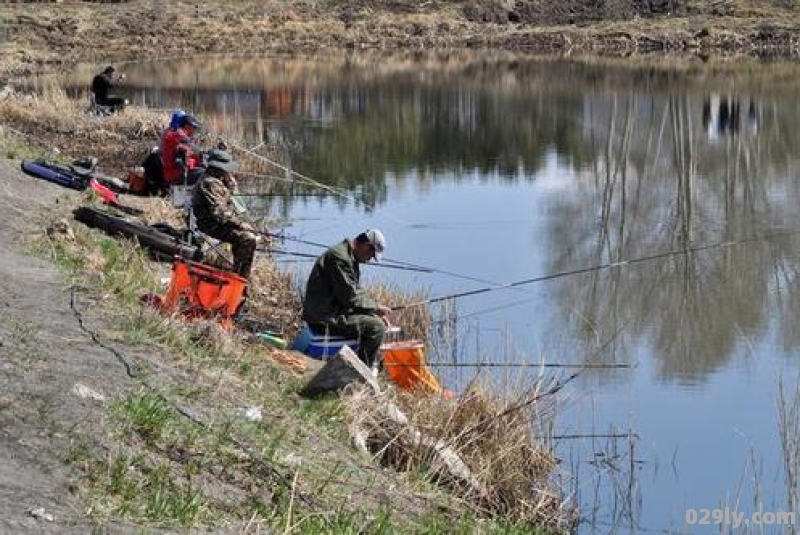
(211, 201)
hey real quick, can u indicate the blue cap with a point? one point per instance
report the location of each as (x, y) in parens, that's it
(175, 121)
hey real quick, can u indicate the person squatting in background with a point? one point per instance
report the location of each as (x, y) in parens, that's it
(102, 85)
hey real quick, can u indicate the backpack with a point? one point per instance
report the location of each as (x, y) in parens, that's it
(154, 174)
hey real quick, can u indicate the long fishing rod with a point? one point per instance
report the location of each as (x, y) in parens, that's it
(336, 191)
(309, 180)
(380, 264)
(274, 178)
(306, 194)
(598, 267)
(514, 365)
(396, 263)
(349, 197)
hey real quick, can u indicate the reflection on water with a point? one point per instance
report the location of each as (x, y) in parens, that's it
(729, 115)
(510, 169)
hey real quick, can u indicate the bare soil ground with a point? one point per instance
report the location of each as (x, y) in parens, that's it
(44, 354)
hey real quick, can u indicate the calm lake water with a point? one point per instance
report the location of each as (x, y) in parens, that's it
(506, 169)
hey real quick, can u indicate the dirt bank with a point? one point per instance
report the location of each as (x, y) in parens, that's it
(44, 358)
(61, 33)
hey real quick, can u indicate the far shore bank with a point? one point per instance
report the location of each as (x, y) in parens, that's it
(62, 34)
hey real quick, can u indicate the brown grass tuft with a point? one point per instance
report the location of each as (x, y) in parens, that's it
(509, 470)
(415, 321)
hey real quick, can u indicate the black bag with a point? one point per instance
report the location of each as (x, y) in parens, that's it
(154, 174)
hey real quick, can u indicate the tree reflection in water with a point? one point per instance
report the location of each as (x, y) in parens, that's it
(660, 185)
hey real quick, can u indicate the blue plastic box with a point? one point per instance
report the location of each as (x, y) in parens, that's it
(325, 348)
(320, 346)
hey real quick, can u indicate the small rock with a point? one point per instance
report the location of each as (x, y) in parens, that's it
(253, 414)
(6, 92)
(293, 460)
(85, 392)
(63, 228)
(40, 514)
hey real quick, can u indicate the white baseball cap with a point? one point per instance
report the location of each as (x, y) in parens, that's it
(376, 239)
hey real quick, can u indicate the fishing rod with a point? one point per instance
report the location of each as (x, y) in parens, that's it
(598, 267)
(380, 264)
(341, 192)
(274, 178)
(396, 263)
(514, 365)
(309, 180)
(348, 197)
(306, 194)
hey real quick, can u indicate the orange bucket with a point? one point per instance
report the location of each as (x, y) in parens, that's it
(201, 291)
(405, 364)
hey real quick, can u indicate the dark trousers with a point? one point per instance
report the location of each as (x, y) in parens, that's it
(368, 329)
(116, 103)
(243, 244)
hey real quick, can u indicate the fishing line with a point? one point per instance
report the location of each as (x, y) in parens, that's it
(309, 180)
(336, 191)
(598, 267)
(339, 192)
(265, 195)
(506, 306)
(274, 178)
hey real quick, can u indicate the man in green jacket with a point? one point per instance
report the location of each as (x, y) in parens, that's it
(336, 304)
(215, 215)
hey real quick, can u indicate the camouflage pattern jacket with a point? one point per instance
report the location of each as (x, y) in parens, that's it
(211, 202)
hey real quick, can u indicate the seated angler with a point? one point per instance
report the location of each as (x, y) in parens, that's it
(181, 157)
(102, 85)
(336, 304)
(215, 214)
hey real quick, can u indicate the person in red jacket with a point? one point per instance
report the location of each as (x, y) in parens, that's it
(181, 158)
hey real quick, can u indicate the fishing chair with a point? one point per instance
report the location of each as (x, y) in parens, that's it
(102, 110)
(98, 109)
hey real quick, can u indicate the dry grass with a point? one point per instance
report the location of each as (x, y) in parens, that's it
(510, 472)
(789, 432)
(51, 119)
(415, 321)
